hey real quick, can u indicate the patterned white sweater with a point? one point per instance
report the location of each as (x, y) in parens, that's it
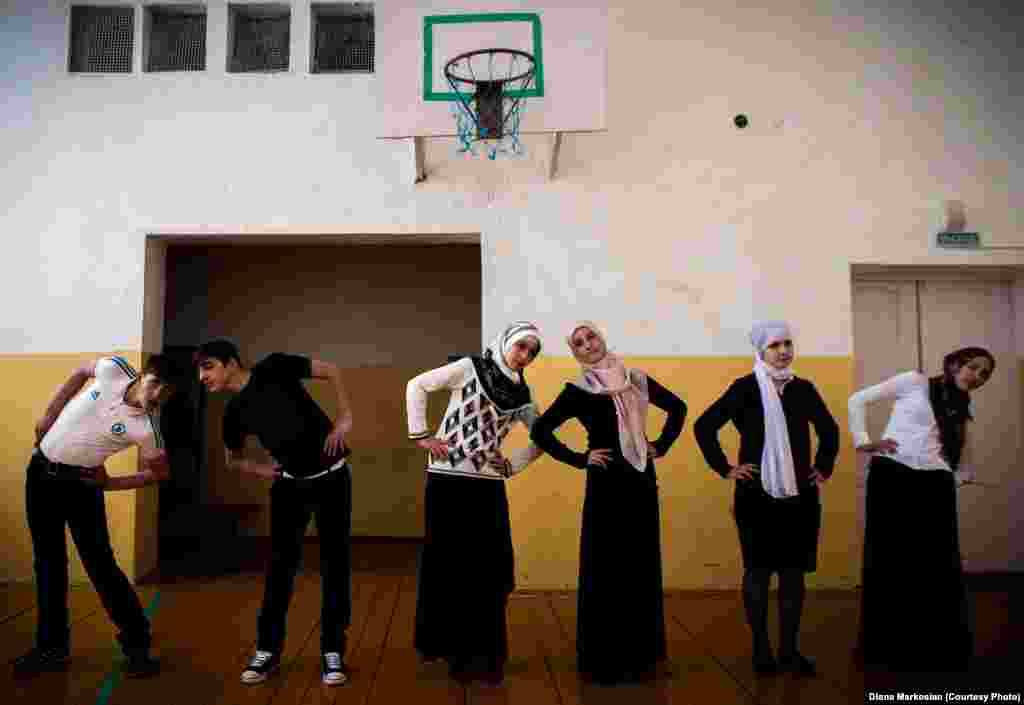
(473, 426)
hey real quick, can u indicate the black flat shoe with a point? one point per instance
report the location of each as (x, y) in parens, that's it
(459, 672)
(140, 664)
(494, 677)
(797, 663)
(765, 664)
(40, 660)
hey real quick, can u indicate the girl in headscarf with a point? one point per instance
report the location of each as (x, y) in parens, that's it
(466, 570)
(777, 508)
(913, 603)
(620, 616)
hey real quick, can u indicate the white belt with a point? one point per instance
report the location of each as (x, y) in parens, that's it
(340, 464)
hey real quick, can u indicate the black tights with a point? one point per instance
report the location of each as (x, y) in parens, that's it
(791, 604)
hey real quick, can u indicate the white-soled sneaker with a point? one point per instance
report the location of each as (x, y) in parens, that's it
(261, 665)
(332, 670)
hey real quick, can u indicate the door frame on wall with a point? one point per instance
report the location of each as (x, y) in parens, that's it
(936, 273)
(155, 294)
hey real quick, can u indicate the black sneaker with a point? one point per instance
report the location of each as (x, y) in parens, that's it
(261, 665)
(40, 660)
(332, 670)
(140, 664)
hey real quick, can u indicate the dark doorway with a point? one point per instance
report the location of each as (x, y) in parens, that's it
(382, 312)
(183, 427)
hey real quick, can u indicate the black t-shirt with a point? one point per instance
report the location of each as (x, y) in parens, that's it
(277, 409)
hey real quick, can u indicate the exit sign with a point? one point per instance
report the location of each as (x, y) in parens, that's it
(958, 241)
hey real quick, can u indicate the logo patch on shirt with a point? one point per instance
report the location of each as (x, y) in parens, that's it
(118, 429)
(95, 394)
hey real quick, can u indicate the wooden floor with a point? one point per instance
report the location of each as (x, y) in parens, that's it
(204, 630)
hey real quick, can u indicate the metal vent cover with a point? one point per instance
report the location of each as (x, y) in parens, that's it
(260, 38)
(102, 39)
(176, 38)
(343, 38)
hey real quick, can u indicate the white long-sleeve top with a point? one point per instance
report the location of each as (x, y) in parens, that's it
(473, 426)
(911, 424)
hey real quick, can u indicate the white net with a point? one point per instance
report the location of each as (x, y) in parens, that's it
(490, 86)
(470, 145)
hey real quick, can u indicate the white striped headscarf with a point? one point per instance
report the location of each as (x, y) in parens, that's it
(512, 334)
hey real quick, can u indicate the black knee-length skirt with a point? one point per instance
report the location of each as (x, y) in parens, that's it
(777, 534)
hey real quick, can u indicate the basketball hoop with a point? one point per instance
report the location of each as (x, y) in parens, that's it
(489, 85)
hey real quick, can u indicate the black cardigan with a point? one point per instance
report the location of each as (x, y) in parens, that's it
(741, 404)
(597, 414)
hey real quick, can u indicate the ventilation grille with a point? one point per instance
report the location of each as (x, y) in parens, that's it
(261, 35)
(177, 39)
(343, 41)
(101, 39)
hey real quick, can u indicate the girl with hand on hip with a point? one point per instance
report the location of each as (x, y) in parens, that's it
(777, 507)
(621, 625)
(466, 569)
(914, 604)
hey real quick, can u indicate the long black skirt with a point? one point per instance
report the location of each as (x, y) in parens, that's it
(620, 632)
(914, 603)
(777, 534)
(466, 574)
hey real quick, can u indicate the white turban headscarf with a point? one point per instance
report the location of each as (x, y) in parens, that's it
(778, 475)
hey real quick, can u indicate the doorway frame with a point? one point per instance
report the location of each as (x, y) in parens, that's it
(1011, 275)
(146, 508)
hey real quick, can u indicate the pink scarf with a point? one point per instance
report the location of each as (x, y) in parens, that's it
(609, 376)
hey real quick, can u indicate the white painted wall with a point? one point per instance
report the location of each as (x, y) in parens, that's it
(674, 228)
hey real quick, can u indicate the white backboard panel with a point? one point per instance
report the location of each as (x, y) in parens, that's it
(415, 40)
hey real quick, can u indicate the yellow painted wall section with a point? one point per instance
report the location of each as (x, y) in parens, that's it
(699, 544)
(145, 546)
(30, 382)
(700, 548)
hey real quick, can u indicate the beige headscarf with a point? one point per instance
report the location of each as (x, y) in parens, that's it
(628, 390)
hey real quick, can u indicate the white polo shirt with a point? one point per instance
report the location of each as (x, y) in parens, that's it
(98, 423)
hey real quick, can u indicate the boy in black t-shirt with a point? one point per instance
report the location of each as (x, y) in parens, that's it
(310, 477)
